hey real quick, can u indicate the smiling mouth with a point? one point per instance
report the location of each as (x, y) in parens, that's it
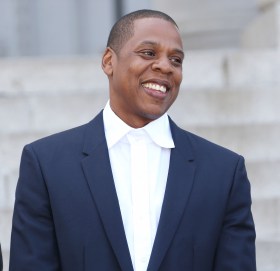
(154, 86)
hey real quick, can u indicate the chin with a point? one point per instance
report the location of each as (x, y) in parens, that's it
(153, 112)
(154, 115)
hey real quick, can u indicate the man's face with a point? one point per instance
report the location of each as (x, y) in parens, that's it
(146, 74)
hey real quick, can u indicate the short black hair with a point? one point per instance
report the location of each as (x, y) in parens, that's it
(123, 29)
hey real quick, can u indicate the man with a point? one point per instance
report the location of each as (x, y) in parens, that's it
(130, 190)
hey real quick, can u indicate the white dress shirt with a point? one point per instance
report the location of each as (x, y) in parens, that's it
(140, 161)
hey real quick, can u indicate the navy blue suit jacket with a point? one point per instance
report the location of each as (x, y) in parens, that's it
(67, 215)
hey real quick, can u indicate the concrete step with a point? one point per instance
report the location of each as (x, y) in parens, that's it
(49, 113)
(227, 106)
(11, 146)
(5, 234)
(267, 222)
(268, 255)
(50, 75)
(265, 178)
(258, 142)
(266, 216)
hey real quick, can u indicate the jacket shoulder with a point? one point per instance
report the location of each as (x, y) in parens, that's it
(73, 135)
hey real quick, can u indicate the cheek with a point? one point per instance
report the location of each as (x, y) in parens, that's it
(179, 77)
(136, 68)
(130, 73)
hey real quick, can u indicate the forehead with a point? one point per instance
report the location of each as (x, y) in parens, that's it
(157, 30)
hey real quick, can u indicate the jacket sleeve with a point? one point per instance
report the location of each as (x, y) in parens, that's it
(236, 247)
(33, 241)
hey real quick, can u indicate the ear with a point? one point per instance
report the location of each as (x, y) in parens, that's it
(107, 61)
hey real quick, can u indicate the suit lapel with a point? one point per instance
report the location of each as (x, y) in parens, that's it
(178, 189)
(99, 176)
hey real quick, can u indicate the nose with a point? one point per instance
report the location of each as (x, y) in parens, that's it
(163, 65)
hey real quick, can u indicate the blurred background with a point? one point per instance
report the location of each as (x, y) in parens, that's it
(51, 80)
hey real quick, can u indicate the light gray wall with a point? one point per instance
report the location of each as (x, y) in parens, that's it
(77, 27)
(54, 27)
(131, 5)
(8, 28)
(210, 23)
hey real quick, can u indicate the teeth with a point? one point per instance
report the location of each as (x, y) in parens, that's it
(155, 87)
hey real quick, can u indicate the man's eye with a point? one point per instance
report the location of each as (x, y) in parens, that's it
(176, 60)
(148, 53)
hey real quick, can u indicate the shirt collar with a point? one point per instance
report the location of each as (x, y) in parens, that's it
(115, 129)
(159, 131)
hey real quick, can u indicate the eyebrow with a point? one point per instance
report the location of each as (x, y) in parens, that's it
(153, 43)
